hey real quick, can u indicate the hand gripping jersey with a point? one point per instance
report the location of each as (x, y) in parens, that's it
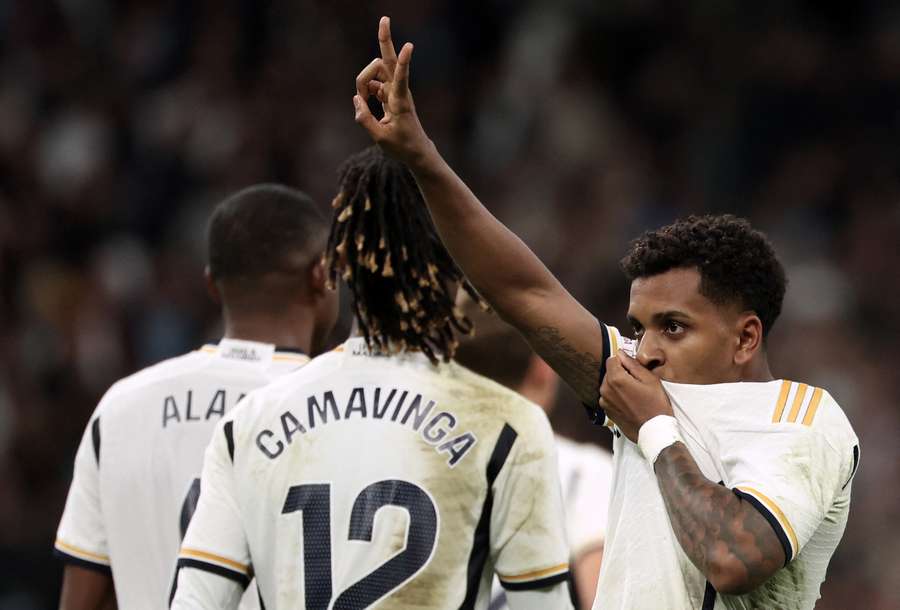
(137, 469)
(369, 480)
(585, 472)
(785, 447)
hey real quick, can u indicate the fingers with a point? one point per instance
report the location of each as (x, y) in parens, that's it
(374, 71)
(377, 89)
(634, 368)
(365, 118)
(388, 54)
(401, 72)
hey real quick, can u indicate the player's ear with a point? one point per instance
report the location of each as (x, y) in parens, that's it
(749, 337)
(211, 289)
(317, 277)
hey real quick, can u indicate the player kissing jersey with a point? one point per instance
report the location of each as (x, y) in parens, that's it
(784, 446)
(136, 473)
(367, 478)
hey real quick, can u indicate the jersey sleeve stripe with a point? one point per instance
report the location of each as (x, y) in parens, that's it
(775, 517)
(782, 401)
(798, 402)
(198, 554)
(241, 579)
(95, 439)
(83, 563)
(540, 583)
(595, 413)
(482, 536)
(557, 569)
(71, 549)
(228, 430)
(813, 407)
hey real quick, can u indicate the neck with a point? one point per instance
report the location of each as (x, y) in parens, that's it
(757, 370)
(291, 330)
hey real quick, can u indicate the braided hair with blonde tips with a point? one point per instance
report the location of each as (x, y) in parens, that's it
(384, 245)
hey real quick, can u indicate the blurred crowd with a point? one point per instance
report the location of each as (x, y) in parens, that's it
(579, 123)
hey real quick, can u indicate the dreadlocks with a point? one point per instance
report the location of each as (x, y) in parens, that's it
(385, 247)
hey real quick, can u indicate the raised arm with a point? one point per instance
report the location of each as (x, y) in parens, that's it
(503, 269)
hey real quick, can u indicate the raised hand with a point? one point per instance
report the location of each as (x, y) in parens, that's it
(398, 132)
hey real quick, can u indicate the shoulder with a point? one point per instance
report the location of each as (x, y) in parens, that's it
(809, 410)
(493, 400)
(157, 374)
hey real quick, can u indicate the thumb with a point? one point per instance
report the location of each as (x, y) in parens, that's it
(365, 118)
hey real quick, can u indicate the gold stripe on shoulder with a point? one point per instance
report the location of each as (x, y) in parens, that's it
(813, 407)
(782, 401)
(798, 402)
(613, 340)
(186, 552)
(535, 574)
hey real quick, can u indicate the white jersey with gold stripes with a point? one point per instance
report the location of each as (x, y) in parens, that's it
(585, 472)
(367, 479)
(136, 477)
(784, 446)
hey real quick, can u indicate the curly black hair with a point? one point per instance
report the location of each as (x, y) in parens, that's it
(737, 263)
(384, 245)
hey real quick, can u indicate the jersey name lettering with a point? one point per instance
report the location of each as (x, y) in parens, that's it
(414, 411)
(183, 408)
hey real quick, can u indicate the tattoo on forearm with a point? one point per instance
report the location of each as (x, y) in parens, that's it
(581, 370)
(710, 519)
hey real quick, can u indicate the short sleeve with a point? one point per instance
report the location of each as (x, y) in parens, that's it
(81, 537)
(613, 341)
(215, 542)
(528, 538)
(791, 475)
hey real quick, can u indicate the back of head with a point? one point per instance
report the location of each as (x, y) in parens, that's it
(384, 245)
(737, 264)
(495, 350)
(261, 241)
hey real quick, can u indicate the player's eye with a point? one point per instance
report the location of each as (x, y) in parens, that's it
(637, 331)
(671, 327)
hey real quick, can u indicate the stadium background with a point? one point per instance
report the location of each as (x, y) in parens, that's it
(579, 123)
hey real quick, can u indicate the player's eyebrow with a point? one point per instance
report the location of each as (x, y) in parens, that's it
(672, 313)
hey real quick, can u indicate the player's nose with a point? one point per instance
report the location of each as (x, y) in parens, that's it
(649, 353)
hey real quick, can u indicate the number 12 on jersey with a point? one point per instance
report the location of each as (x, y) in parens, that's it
(314, 501)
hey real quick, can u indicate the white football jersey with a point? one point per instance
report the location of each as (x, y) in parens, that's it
(368, 479)
(136, 477)
(585, 472)
(784, 446)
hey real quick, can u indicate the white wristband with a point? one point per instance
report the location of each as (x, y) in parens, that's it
(656, 434)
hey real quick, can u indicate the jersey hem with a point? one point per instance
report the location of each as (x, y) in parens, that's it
(241, 579)
(539, 583)
(780, 531)
(83, 563)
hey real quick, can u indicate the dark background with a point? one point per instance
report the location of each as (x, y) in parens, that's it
(579, 123)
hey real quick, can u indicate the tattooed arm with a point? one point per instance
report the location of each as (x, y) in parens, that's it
(724, 536)
(502, 268)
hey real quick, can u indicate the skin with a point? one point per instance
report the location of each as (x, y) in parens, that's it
(305, 314)
(727, 539)
(84, 588)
